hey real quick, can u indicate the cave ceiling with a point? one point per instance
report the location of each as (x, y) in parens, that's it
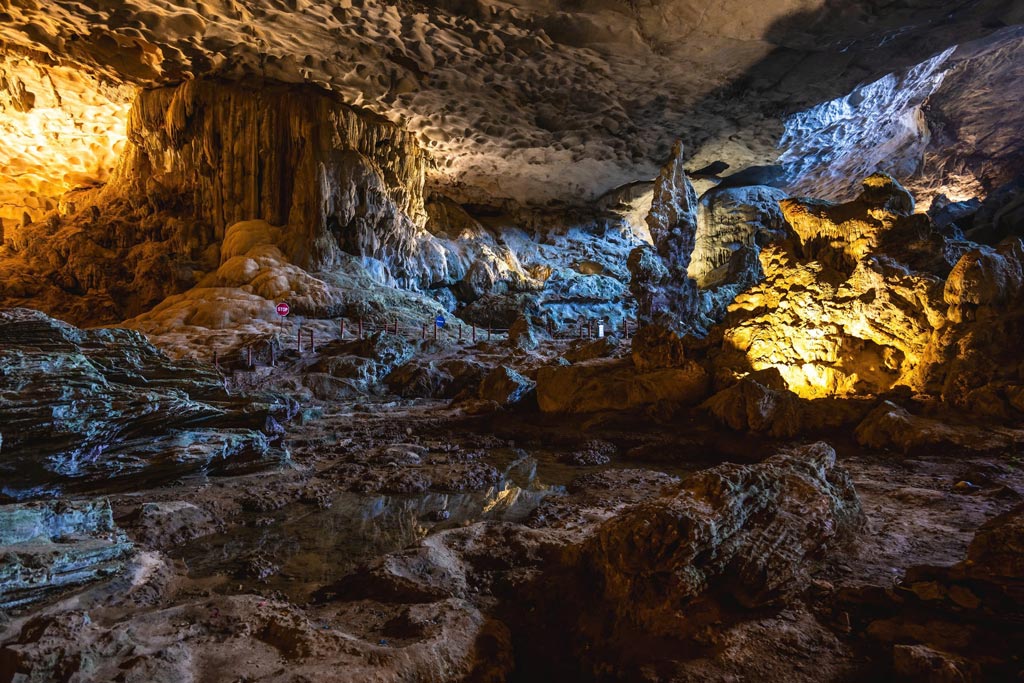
(531, 101)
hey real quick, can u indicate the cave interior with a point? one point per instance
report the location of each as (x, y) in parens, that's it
(480, 341)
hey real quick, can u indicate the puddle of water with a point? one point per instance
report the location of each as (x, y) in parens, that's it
(314, 546)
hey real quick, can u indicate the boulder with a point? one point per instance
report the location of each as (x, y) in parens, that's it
(506, 387)
(891, 426)
(760, 402)
(733, 534)
(1001, 215)
(500, 311)
(521, 335)
(657, 346)
(959, 622)
(617, 385)
(603, 347)
(494, 271)
(985, 277)
(421, 378)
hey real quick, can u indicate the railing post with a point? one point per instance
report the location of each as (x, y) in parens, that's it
(360, 328)
(474, 333)
(460, 333)
(298, 341)
(435, 331)
(249, 350)
(312, 343)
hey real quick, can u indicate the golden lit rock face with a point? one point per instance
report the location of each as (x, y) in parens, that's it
(61, 128)
(865, 297)
(834, 315)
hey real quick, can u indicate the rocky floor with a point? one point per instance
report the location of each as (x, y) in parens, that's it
(232, 564)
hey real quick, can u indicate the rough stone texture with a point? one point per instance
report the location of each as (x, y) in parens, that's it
(761, 403)
(203, 639)
(42, 104)
(121, 408)
(505, 387)
(729, 220)
(838, 313)
(932, 126)
(425, 378)
(634, 553)
(603, 347)
(539, 101)
(672, 221)
(657, 346)
(617, 385)
(205, 155)
(522, 335)
(890, 426)
(232, 152)
(748, 532)
(50, 546)
(1000, 215)
(958, 623)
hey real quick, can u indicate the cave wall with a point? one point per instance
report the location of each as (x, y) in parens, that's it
(203, 155)
(947, 126)
(291, 155)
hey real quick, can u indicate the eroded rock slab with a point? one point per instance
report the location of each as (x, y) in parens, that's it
(617, 385)
(47, 547)
(84, 406)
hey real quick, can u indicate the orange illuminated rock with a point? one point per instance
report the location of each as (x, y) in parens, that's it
(617, 385)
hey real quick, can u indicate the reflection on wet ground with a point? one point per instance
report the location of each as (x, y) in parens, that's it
(313, 546)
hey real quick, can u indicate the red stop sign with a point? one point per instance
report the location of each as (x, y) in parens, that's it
(283, 308)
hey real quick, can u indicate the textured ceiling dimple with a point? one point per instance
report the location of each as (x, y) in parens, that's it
(60, 128)
(532, 100)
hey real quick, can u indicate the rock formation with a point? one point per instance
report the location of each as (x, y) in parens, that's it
(121, 409)
(953, 623)
(745, 533)
(660, 282)
(292, 156)
(547, 102)
(866, 297)
(722, 542)
(366, 340)
(51, 546)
